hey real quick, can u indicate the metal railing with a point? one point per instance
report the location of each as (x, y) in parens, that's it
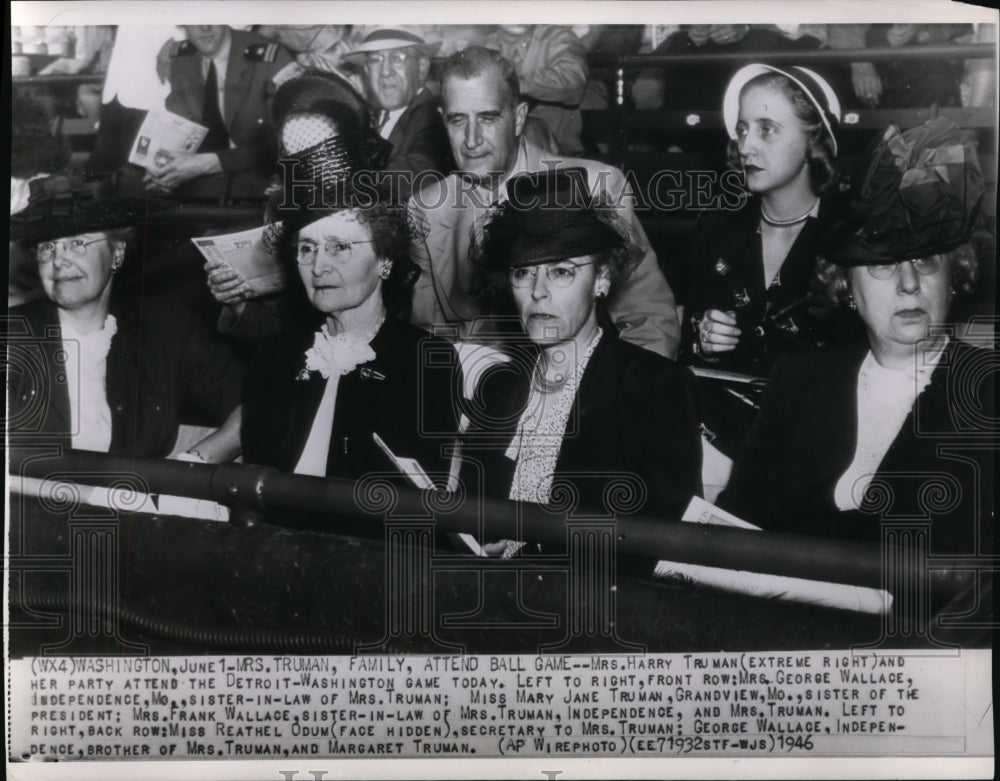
(254, 492)
(622, 119)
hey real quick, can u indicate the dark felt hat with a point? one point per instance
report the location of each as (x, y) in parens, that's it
(916, 194)
(317, 91)
(73, 202)
(548, 216)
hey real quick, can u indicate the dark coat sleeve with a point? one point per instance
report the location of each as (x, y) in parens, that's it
(211, 374)
(660, 411)
(420, 147)
(751, 493)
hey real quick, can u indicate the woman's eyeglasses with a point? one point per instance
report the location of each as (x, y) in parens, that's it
(923, 266)
(558, 274)
(46, 251)
(338, 249)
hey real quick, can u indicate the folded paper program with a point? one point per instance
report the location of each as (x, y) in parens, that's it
(758, 584)
(246, 254)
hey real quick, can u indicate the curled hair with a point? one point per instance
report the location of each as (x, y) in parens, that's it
(962, 261)
(824, 176)
(390, 231)
(474, 61)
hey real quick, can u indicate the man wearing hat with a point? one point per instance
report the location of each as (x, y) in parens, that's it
(394, 66)
(485, 119)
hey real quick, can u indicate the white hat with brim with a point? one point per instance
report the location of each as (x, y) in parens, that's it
(815, 87)
(387, 39)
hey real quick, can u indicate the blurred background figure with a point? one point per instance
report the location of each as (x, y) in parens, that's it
(899, 83)
(135, 83)
(91, 46)
(223, 79)
(551, 65)
(394, 65)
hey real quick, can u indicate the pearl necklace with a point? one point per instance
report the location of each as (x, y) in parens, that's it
(767, 218)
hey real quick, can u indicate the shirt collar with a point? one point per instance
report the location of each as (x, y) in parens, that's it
(221, 58)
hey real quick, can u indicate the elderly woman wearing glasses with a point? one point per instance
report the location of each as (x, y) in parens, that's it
(577, 408)
(348, 371)
(92, 366)
(894, 426)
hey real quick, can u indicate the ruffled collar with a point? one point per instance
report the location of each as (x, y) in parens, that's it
(334, 355)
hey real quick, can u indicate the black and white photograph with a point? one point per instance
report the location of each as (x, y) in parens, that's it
(500, 390)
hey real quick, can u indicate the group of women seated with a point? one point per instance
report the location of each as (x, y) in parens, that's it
(568, 405)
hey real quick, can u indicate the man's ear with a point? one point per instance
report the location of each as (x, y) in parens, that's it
(520, 115)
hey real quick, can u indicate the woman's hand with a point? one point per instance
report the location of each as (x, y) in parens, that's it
(225, 284)
(717, 332)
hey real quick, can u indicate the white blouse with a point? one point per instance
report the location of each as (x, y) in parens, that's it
(86, 372)
(885, 399)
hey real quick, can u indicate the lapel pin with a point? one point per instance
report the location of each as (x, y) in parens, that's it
(371, 374)
(721, 267)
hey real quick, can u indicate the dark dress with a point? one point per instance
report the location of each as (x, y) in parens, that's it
(634, 412)
(405, 395)
(938, 468)
(163, 366)
(727, 273)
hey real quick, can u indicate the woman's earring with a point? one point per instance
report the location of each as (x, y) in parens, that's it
(385, 271)
(850, 302)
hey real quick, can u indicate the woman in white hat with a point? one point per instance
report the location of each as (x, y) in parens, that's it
(750, 268)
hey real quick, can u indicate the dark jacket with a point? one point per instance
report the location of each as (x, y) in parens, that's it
(162, 365)
(727, 273)
(249, 89)
(634, 413)
(404, 395)
(938, 468)
(420, 143)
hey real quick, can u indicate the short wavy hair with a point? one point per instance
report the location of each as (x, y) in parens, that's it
(824, 176)
(474, 61)
(390, 228)
(963, 264)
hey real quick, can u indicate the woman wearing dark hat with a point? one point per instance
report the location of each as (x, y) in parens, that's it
(349, 367)
(894, 426)
(118, 373)
(577, 407)
(751, 268)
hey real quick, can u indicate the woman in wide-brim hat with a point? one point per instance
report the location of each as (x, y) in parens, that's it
(577, 411)
(895, 425)
(349, 366)
(751, 262)
(95, 367)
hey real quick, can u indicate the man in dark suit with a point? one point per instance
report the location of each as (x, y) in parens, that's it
(394, 65)
(223, 79)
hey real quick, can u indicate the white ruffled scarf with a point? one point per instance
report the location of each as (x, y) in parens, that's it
(338, 354)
